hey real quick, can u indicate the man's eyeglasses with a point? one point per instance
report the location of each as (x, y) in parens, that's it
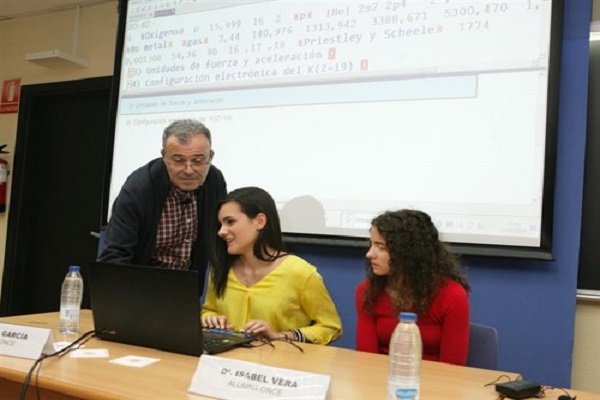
(195, 162)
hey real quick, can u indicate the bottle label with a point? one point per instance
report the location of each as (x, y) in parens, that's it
(69, 313)
(407, 394)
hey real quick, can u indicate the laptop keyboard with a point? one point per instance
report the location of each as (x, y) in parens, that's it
(218, 340)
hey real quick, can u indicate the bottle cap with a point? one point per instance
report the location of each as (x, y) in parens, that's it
(408, 316)
(74, 268)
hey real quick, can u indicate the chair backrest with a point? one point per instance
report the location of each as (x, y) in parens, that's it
(101, 237)
(483, 347)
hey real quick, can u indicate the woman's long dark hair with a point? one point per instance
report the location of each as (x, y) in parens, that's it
(419, 262)
(269, 243)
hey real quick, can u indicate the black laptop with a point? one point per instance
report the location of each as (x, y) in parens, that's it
(153, 307)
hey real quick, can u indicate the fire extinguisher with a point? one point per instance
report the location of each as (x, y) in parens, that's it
(3, 179)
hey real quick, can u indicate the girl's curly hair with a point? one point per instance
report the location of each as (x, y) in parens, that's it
(419, 262)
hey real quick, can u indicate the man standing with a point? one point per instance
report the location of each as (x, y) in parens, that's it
(165, 213)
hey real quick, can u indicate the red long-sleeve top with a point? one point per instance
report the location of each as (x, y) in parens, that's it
(444, 328)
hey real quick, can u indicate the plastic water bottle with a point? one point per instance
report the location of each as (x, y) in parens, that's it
(405, 359)
(70, 301)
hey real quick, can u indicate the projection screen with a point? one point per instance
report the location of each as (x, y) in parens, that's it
(344, 109)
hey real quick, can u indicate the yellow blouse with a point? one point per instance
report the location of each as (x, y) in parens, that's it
(292, 296)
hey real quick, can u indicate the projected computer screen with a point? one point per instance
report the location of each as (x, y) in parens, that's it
(344, 109)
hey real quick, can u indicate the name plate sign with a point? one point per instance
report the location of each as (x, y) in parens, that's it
(223, 378)
(25, 341)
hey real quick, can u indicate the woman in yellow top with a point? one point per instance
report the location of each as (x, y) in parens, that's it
(257, 287)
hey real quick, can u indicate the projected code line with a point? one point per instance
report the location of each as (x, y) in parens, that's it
(307, 43)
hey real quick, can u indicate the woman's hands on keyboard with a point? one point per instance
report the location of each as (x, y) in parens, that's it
(216, 321)
(260, 328)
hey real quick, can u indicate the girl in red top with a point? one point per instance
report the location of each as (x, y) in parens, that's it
(410, 269)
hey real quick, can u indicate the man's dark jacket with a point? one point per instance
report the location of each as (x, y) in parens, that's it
(130, 236)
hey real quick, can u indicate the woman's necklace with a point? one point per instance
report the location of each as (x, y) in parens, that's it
(251, 275)
(248, 275)
(243, 276)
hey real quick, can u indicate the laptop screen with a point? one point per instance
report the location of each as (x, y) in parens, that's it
(147, 306)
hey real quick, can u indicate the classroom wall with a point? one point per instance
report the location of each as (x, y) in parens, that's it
(19, 36)
(586, 354)
(532, 303)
